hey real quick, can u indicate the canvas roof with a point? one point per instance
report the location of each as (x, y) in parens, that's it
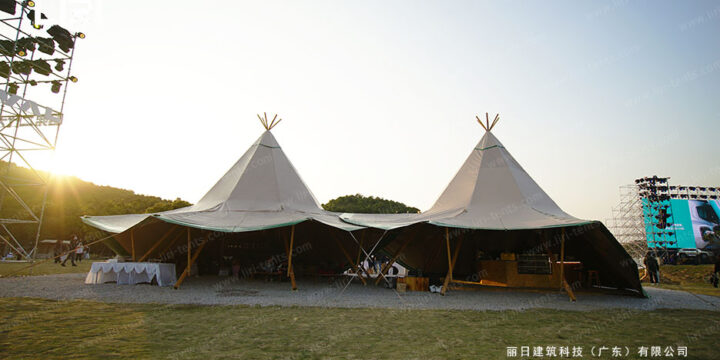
(262, 190)
(491, 191)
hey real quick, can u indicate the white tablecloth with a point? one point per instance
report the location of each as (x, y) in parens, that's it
(131, 273)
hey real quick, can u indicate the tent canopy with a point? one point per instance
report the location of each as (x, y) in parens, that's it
(491, 191)
(262, 190)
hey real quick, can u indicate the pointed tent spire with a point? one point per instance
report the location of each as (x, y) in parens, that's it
(493, 189)
(268, 125)
(487, 125)
(263, 179)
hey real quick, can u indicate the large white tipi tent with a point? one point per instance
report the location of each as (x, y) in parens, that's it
(261, 191)
(495, 204)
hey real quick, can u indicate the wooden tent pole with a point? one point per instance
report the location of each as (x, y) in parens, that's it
(171, 243)
(165, 236)
(191, 260)
(132, 242)
(562, 257)
(349, 259)
(449, 277)
(189, 251)
(291, 272)
(390, 263)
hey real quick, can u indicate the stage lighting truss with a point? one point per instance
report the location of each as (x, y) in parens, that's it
(657, 212)
(35, 71)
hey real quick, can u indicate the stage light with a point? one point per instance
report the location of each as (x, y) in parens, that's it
(56, 85)
(62, 37)
(21, 67)
(4, 70)
(41, 67)
(46, 45)
(8, 6)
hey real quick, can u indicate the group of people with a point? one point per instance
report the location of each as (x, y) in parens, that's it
(75, 251)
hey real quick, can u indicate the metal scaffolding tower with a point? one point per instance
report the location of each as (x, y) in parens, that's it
(628, 223)
(35, 64)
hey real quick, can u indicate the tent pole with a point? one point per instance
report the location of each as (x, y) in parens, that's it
(165, 236)
(452, 265)
(132, 242)
(451, 261)
(562, 257)
(171, 243)
(390, 263)
(291, 272)
(189, 252)
(186, 273)
(349, 259)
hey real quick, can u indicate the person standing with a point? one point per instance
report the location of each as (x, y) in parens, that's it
(79, 251)
(70, 252)
(716, 272)
(652, 267)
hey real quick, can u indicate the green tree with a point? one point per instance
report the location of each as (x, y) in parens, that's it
(165, 205)
(367, 205)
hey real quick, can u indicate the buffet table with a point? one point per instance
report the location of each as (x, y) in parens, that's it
(131, 273)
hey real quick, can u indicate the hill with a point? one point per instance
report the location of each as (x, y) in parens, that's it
(68, 199)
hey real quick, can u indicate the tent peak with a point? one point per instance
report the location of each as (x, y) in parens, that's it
(488, 126)
(268, 125)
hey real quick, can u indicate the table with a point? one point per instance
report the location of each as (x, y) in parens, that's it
(131, 273)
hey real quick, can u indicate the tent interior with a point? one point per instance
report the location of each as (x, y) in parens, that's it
(590, 257)
(319, 250)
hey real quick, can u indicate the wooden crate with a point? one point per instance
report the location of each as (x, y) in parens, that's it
(417, 283)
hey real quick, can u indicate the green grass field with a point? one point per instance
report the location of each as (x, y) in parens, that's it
(32, 328)
(691, 278)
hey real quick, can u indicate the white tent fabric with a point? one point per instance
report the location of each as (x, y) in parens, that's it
(262, 190)
(490, 191)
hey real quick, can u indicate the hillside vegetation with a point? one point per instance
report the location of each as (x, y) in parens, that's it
(68, 199)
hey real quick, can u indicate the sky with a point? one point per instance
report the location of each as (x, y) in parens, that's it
(380, 97)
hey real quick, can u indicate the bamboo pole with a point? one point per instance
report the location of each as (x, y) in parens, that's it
(165, 236)
(132, 243)
(291, 272)
(189, 250)
(171, 243)
(481, 123)
(390, 263)
(562, 257)
(449, 277)
(191, 260)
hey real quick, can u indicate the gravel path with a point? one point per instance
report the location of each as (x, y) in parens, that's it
(220, 291)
